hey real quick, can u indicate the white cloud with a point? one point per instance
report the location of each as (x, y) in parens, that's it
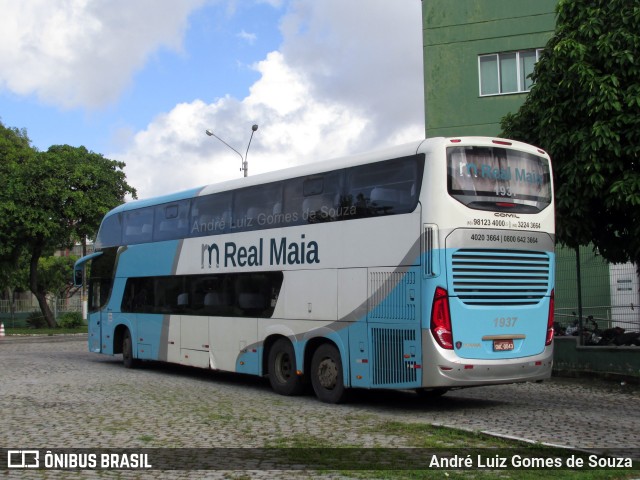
(174, 153)
(273, 3)
(83, 53)
(365, 54)
(250, 38)
(347, 78)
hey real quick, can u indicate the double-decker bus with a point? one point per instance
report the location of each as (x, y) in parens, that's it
(428, 266)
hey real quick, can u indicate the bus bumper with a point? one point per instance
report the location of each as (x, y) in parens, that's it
(444, 368)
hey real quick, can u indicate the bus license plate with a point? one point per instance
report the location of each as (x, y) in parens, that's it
(502, 345)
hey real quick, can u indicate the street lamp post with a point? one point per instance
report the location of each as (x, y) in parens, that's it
(245, 164)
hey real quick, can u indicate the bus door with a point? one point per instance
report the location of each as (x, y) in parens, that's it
(94, 315)
(99, 313)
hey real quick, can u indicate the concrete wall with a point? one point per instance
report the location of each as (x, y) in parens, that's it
(570, 359)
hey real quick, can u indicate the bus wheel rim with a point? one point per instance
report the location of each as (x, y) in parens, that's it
(327, 374)
(283, 367)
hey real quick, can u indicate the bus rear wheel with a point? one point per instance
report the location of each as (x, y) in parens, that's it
(282, 369)
(127, 351)
(327, 375)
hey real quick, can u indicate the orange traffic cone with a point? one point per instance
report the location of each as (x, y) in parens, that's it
(1, 329)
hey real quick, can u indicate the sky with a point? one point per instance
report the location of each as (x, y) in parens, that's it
(140, 81)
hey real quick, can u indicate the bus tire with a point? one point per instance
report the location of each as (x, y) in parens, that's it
(282, 369)
(327, 375)
(127, 351)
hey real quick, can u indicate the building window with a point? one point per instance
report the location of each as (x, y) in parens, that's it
(504, 73)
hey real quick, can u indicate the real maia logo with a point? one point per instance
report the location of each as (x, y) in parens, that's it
(279, 252)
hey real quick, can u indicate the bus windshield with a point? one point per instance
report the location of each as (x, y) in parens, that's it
(492, 178)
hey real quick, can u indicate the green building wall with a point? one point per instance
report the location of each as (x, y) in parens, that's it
(455, 32)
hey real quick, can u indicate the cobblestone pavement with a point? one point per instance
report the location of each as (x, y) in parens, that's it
(55, 394)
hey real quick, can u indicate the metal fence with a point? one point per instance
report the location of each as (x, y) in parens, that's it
(16, 315)
(609, 293)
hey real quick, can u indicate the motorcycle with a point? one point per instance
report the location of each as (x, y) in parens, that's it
(592, 335)
(611, 336)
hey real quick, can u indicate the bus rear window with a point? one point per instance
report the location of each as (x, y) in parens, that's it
(491, 178)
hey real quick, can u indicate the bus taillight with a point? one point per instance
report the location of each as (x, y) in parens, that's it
(549, 338)
(441, 319)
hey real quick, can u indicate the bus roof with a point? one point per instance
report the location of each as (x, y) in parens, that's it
(406, 149)
(282, 174)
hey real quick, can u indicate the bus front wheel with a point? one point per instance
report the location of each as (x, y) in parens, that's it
(282, 369)
(127, 351)
(327, 375)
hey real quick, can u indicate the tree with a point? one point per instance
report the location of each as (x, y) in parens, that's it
(15, 150)
(584, 109)
(92, 185)
(52, 199)
(13, 277)
(55, 274)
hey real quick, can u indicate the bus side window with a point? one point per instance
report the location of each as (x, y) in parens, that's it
(322, 198)
(256, 293)
(216, 300)
(254, 207)
(99, 291)
(210, 215)
(171, 221)
(138, 226)
(383, 188)
(101, 278)
(94, 295)
(290, 210)
(138, 295)
(251, 299)
(226, 295)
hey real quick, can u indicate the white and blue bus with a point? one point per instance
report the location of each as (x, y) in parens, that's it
(428, 266)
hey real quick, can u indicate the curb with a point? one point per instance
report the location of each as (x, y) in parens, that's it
(75, 337)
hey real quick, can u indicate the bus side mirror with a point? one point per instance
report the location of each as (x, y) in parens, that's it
(77, 277)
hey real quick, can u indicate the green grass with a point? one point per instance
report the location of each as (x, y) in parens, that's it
(146, 438)
(44, 331)
(420, 443)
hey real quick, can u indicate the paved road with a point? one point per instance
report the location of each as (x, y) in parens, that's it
(55, 394)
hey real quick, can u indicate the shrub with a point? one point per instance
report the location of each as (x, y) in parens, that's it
(36, 320)
(70, 320)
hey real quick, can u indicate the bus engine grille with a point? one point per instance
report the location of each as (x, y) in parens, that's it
(500, 277)
(390, 363)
